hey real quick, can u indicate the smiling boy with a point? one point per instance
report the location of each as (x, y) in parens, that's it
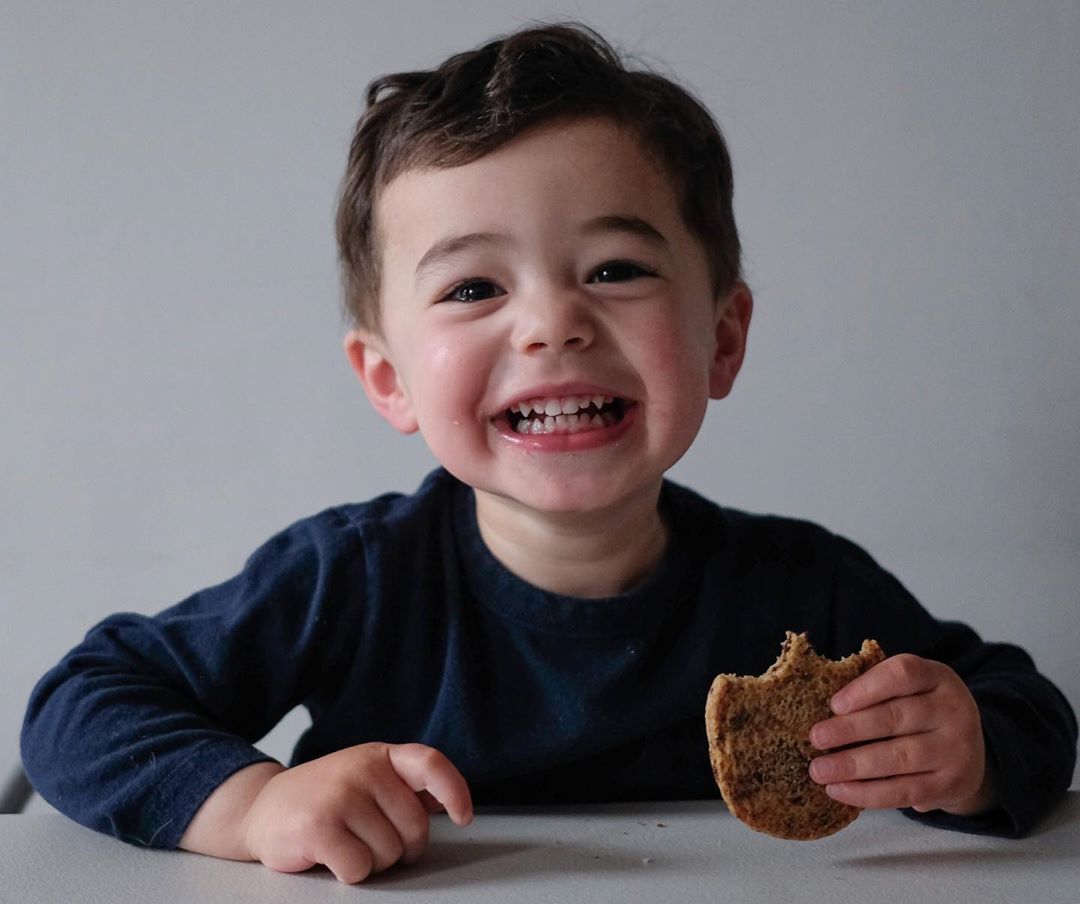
(551, 277)
(541, 265)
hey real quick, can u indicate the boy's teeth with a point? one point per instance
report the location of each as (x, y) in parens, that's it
(555, 407)
(564, 423)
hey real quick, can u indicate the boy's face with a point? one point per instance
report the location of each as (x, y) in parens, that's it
(555, 270)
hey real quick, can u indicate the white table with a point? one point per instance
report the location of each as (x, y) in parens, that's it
(655, 852)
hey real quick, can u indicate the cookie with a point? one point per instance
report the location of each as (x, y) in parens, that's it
(759, 739)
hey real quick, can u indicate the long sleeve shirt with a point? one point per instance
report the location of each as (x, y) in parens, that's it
(391, 621)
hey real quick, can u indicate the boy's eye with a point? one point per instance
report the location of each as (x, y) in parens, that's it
(473, 290)
(618, 271)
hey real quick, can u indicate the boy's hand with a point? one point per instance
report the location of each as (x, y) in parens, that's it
(920, 741)
(357, 810)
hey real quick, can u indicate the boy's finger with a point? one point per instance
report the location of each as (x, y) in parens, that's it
(899, 756)
(346, 856)
(371, 826)
(897, 676)
(893, 718)
(424, 768)
(882, 794)
(407, 813)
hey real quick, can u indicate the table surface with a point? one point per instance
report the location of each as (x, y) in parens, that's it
(649, 852)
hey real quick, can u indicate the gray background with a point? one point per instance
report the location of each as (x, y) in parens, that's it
(172, 384)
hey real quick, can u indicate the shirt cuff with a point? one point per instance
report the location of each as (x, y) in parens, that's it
(165, 815)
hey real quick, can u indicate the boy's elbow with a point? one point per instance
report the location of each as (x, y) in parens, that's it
(41, 741)
(62, 755)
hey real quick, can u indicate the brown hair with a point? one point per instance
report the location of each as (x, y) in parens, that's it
(479, 100)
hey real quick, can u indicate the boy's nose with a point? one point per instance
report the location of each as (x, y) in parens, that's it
(555, 323)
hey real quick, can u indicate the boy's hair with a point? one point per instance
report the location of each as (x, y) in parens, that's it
(479, 100)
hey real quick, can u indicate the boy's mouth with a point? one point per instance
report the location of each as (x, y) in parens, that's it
(573, 414)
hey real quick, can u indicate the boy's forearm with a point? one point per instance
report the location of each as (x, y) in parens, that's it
(217, 828)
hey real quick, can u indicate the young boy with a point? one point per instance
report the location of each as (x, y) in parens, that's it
(542, 267)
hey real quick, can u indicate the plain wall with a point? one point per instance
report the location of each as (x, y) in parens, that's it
(172, 383)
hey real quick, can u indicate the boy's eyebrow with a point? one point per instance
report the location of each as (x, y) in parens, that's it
(623, 223)
(456, 244)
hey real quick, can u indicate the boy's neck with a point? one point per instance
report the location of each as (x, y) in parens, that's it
(589, 555)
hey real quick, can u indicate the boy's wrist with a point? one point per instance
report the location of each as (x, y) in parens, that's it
(219, 826)
(982, 801)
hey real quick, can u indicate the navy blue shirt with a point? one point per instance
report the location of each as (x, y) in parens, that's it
(392, 621)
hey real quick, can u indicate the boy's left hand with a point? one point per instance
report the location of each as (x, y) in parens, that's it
(920, 741)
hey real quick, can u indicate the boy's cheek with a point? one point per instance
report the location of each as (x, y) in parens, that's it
(683, 349)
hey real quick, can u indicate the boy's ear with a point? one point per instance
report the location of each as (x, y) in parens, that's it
(387, 394)
(733, 313)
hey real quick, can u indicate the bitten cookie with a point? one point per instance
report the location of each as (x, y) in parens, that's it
(759, 739)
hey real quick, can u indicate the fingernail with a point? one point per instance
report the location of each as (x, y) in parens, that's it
(838, 704)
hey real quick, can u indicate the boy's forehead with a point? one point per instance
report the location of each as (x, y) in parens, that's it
(569, 172)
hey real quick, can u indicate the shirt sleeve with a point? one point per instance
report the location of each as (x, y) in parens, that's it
(138, 724)
(1028, 726)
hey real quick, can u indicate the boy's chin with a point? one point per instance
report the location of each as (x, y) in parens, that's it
(566, 498)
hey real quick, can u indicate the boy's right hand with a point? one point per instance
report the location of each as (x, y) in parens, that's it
(358, 810)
